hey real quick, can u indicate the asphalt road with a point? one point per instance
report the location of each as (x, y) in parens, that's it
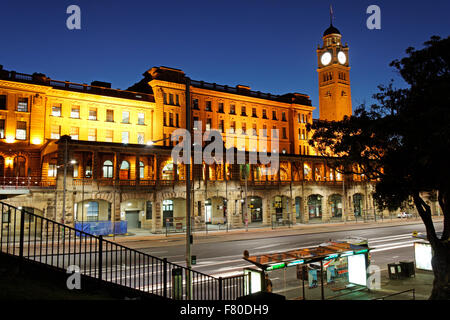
(390, 244)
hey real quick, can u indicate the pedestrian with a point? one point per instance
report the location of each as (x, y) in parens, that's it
(268, 283)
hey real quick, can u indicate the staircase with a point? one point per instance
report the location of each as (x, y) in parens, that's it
(44, 241)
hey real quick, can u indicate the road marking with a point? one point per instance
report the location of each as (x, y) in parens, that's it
(393, 244)
(393, 236)
(392, 248)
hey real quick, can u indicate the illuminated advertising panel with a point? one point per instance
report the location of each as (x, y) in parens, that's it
(357, 269)
(423, 254)
(254, 281)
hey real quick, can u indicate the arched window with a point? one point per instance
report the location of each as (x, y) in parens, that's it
(124, 170)
(357, 204)
(108, 169)
(315, 206)
(141, 170)
(336, 205)
(92, 211)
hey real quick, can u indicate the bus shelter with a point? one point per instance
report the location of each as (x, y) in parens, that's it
(347, 259)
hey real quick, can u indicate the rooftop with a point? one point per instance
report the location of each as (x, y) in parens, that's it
(178, 76)
(96, 87)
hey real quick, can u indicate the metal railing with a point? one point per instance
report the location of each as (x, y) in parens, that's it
(281, 221)
(25, 182)
(399, 293)
(35, 238)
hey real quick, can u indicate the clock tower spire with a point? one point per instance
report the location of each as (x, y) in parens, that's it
(335, 100)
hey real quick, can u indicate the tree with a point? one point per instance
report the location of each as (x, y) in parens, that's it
(402, 143)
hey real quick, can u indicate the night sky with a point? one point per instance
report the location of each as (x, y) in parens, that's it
(269, 45)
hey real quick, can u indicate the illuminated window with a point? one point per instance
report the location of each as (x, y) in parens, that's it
(3, 105)
(274, 132)
(74, 133)
(92, 114)
(52, 169)
(108, 169)
(125, 137)
(264, 130)
(125, 117)
(56, 132)
(92, 134)
(254, 130)
(141, 118)
(109, 115)
(233, 127)
(140, 138)
(21, 130)
(124, 172)
(208, 124)
(196, 123)
(56, 110)
(75, 112)
(109, 135)
(141, 170)
(22, 105)
(244, 128)
(92, 211)
(307, 171)
(2, 128)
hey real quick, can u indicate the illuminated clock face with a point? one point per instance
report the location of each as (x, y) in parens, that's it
(326, 58)
(342, 57)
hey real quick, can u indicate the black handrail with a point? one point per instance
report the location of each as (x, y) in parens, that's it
(413, 290)
(42, 240)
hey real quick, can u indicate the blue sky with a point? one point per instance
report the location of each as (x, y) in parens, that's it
(269, 45)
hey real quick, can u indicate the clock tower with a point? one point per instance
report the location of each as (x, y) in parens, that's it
(335, 100)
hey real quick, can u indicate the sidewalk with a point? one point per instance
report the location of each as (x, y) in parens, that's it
(399, 289)
(256, 233)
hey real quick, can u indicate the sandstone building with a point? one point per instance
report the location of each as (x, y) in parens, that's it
(97, 142)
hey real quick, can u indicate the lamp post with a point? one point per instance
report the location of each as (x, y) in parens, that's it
(64, 183)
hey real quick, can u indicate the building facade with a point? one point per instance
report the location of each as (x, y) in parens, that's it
(85, 154)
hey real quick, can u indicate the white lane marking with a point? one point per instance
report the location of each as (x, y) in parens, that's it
(392, 239)
(392, 236)
(392, 248)
(268, 246)
(393, 244)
